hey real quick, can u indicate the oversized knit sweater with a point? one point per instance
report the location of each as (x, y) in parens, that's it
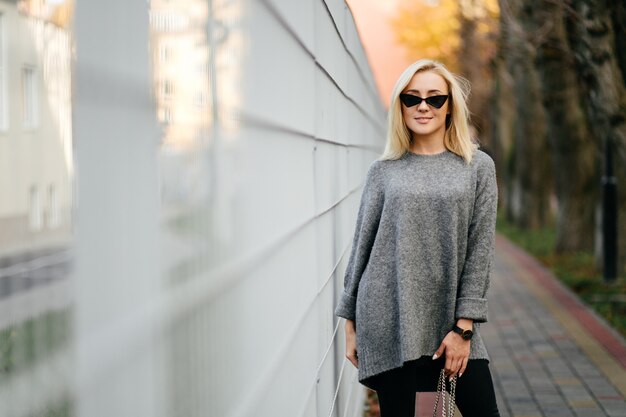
(421, 256)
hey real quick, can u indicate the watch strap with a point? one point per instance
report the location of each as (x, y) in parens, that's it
(461, 331)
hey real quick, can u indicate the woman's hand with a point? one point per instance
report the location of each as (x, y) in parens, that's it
(351, 353)
(457, 352)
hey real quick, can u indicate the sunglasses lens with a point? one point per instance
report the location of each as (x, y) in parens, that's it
(410, 100)
(436, 101)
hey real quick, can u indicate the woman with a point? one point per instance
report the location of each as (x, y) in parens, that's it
(419, 269)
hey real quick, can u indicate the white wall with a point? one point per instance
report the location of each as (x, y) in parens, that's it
(208, 270)
(34, 159)
(311, 122)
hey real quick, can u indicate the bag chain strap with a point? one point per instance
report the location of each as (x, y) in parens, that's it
(442, 390)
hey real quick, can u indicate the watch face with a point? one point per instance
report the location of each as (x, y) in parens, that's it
(465, 333)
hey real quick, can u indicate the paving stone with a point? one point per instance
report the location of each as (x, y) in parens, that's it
(545, 399)
(591, 412)
(583, 403)
(560, 411)
(537, 367)
(602, 389)
(614, 408)
(567, 381)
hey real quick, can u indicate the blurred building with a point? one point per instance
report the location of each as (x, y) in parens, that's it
(180, 68)
(36, 167)
(220, 148)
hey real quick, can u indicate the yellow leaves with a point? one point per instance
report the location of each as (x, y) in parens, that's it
(479, 9)
(428, 30)
(431, 29)
(59, 12)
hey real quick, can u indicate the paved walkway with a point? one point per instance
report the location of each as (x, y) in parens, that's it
(551, 355)
(33, 282)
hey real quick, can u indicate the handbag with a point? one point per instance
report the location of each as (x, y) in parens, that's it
(441, 391)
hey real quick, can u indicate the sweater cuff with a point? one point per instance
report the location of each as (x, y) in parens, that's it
(471, 308)
(346, 307)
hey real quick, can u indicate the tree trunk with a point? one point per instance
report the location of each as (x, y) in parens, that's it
(503, 120)
(618, 8)
(593, 40)
(573, 147)
(530, 186)
(473, 59)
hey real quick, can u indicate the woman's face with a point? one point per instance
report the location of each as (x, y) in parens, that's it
(423, 119)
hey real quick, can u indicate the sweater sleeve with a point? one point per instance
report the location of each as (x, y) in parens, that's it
(471, 300)
(368, 218)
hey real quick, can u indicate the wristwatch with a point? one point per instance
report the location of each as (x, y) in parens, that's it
(465, 334)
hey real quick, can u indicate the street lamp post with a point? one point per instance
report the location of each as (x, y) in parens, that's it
(609, 216)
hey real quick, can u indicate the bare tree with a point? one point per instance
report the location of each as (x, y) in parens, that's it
(595, 47)
(574, 147)
(528, 161)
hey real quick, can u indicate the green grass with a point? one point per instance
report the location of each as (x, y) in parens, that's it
(537, 242)
(63, 408)
(574, 269)
(25, 344)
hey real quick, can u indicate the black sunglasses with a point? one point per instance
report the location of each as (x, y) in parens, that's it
(410, 100)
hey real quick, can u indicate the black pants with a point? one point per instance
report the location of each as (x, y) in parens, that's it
(396, 388)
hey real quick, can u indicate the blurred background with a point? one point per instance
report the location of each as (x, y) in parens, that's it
(179, 182)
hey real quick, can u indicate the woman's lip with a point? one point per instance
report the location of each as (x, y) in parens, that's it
(423, 119)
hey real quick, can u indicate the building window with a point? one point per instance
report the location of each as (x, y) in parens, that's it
(29, 97)
(3, 96)
(53, 207)
(166, 89)
(166, 115)
(34, 209)
(200, 99)
(164, 53)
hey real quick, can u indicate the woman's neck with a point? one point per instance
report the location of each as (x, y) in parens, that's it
(427, 147)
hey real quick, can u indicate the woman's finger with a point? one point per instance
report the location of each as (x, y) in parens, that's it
(448, 365)
(456, 364)
(463, 366)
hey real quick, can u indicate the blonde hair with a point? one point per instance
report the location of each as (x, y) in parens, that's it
(457, 138)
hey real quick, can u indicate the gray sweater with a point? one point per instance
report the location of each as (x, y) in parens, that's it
(421, 256)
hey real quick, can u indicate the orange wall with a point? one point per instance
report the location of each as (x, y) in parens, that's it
(387, 58)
